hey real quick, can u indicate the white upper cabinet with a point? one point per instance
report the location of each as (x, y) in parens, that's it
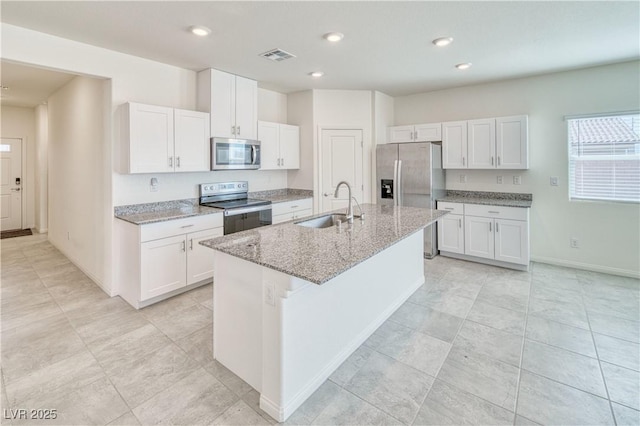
(481, 143)
(431, 132)
(279, 146)
(511, 142)
(488, 143)
(454, 145)
(156, 139)
(232, 101)
(191, 141)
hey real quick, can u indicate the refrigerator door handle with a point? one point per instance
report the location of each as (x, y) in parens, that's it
(399, 189)
(395, 182)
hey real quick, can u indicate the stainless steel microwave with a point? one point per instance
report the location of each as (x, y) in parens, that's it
(235, 154)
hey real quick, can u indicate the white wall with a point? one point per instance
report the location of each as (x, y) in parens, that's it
(75, 174)
(18, 122)
(300, 113)
(272, 106)
(41, 168)
(346, 108)
(609, 233)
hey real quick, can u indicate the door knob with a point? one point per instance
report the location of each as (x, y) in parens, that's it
(15, 189)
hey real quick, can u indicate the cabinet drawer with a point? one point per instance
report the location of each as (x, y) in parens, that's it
(154, 231)
(291, 206)
(455, 208)
(498, 212)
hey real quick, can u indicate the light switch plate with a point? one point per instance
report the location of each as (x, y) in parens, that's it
(463, 178)
(499, 180)
(517, 180)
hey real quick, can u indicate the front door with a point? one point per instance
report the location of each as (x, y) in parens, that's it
(341, 161)
(10, 184)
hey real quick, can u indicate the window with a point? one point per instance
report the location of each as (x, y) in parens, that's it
(604, 158)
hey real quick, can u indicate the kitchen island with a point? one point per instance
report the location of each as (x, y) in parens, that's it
(291, 303)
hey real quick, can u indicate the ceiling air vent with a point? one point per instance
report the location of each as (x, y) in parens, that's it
(277, 55)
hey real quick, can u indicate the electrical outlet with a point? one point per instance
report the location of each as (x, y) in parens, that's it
(517, 180)
(574, 242)
(269, 294)
(499, 180)
(153, 185)
(463, 178)
(553, 181)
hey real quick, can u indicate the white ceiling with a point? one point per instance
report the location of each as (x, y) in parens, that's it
(29, 86)
(387, 45)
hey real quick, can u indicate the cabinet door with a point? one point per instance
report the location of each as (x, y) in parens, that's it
(512, 142)
(478, 236)
(223, 92)
(150, 139)
(246, 108)
(199, 257)
(163, 266)
(269, 136)
(481, 144)
(428, 132)
(451, 233)
(454, 145)
(289, 147)
(400, 134)
(512, 241)
(192, 146)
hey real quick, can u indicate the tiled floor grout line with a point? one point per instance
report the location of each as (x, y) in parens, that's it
(524, 339)
(593, 340)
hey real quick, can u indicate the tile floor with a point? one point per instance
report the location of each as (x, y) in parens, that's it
(475, 344)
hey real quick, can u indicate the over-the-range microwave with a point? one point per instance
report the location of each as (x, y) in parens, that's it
(234, 154)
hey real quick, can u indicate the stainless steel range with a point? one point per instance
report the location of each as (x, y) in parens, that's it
(240, 212)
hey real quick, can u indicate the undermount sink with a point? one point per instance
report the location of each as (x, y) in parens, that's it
(325, 221)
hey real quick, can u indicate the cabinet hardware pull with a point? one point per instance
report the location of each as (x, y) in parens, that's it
(294, 207)
(498, 160)
(493, 211)
(448, 208)
(497, 227)
(191, 244)
(463, 161)
(184, 246)
(178, 161)
(459, 223)
(282, 162)
(233, 130)
(492, 160)
(238, 130)
(186, 226)
(170, 161)
(489, 226)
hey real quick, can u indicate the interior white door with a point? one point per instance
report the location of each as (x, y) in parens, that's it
(11, 184)
(341, 161)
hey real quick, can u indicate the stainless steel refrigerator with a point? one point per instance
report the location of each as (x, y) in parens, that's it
(411, 174)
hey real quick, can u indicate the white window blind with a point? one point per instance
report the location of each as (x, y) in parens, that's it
(604, 158)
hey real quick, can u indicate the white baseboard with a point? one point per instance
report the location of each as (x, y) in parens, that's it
(41, 231)
(587, 266)
(91, 276)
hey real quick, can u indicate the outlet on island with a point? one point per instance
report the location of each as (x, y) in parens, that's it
(463, 178)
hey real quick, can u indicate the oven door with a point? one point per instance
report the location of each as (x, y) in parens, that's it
(241, 219)
(234, 154)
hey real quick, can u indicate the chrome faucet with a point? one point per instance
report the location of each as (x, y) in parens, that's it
(350, 208)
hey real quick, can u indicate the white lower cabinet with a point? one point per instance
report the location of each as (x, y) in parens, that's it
(499, 235)
(291, 210)
(451, 228)
(159, 260)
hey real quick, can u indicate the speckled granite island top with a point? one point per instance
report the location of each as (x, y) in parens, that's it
(318, 255)
(506, 199)
(282, 195)
(143, 214)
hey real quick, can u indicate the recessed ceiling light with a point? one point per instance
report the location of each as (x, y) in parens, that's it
(333, 37)
(316, 74)
(464, 66)
(200, 30)
(442, 41)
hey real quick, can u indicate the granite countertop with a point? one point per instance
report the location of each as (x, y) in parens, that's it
(506, 199)
(282, 195)
(318, 255)
(143, 214)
